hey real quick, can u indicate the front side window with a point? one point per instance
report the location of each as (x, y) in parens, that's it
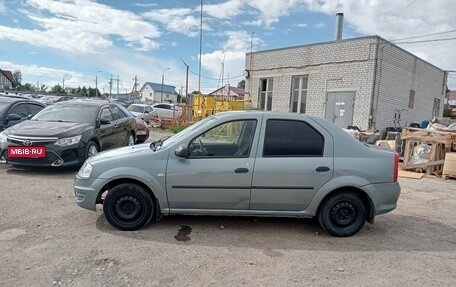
(265, 98)
(231, 139)
(299, 94)
(291, 138)
(20, 110)
(106, 114)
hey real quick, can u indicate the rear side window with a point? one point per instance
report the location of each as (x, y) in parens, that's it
(290, 138)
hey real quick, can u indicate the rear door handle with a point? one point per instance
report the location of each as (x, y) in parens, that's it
(241, 170)
(322, 169)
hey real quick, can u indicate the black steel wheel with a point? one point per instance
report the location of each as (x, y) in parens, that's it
(128, 206)
(342, 214)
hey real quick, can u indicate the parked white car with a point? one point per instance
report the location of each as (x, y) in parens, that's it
(143, 111)
(168, 110)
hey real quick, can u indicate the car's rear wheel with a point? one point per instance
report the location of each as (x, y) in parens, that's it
(128, 206)
(342, 214)
(91, 149)
(131, 139)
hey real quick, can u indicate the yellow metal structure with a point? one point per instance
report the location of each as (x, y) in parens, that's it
(204, 105)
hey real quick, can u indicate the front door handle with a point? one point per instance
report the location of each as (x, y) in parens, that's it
(322, 169)
(241, 170)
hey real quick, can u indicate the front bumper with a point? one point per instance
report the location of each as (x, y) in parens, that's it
(56, 156)
(87, 191)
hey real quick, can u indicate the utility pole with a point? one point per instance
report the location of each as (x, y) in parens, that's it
(133, 91)
(96, 83)
(117, 85)
(110, 87)
(186, 91)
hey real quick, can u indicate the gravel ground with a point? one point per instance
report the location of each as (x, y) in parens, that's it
(47, 240)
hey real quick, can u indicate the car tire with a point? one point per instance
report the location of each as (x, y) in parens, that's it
(91, 149)
(130, 139)
(128, 206)
(342, 214)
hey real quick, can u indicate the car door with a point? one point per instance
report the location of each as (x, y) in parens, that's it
(122, 125)
(106, 131)
(294, 159)
(16, 114)
(217, 174)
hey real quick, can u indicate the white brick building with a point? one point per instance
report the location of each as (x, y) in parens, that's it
(364, 82)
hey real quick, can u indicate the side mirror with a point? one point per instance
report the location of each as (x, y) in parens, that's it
(104, 122)
(13, 117)
(181, 151)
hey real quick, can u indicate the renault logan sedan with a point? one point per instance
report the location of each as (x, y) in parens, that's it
(245, 163)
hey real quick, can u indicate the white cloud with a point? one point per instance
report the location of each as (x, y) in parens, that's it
(82, 26)
(320, 25)
(393, 19)
(145, 4)
(179, 20)
(271, 10)
(227, 10)
(232, 54)
(302, 25)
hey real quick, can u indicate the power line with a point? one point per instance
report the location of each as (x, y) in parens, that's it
(234, 77)
(415, 37)
(426, 41)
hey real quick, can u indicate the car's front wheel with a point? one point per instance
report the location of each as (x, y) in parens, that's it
(128, 206)
(91, 149)
(342, 214)
(130, 139)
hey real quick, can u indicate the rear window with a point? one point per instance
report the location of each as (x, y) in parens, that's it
(290, 138)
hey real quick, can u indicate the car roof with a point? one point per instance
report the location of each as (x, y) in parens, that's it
(139, 105)
(14, 98)
(85, 102)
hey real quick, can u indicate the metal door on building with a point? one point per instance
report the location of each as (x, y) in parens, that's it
(339, 108)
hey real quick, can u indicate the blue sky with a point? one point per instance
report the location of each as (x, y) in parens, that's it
(49, 41)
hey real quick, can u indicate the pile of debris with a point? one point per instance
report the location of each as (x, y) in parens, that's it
(431, 150)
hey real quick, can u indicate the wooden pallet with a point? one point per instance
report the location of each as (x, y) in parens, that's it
(440, 142)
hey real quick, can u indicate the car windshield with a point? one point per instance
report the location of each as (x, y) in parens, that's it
(137, 109)
(182, 134)
(67, 113)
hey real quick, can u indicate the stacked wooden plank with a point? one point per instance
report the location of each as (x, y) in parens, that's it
(440, 142)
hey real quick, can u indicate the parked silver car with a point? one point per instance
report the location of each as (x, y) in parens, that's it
(143, 111)
(245, 163)
(168, 110)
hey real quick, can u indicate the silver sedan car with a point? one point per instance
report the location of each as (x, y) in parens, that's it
(143, 111)
(168, 110)
(245, 163)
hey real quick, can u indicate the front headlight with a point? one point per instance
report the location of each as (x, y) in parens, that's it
(3, 138)
(68, 141)
(85, 170)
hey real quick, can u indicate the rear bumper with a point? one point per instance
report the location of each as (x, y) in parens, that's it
(384, 196)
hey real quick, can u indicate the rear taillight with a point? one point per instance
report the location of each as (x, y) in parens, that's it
(396, 167)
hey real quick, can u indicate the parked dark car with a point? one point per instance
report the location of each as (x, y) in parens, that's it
(15, 109)
(67, 133)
